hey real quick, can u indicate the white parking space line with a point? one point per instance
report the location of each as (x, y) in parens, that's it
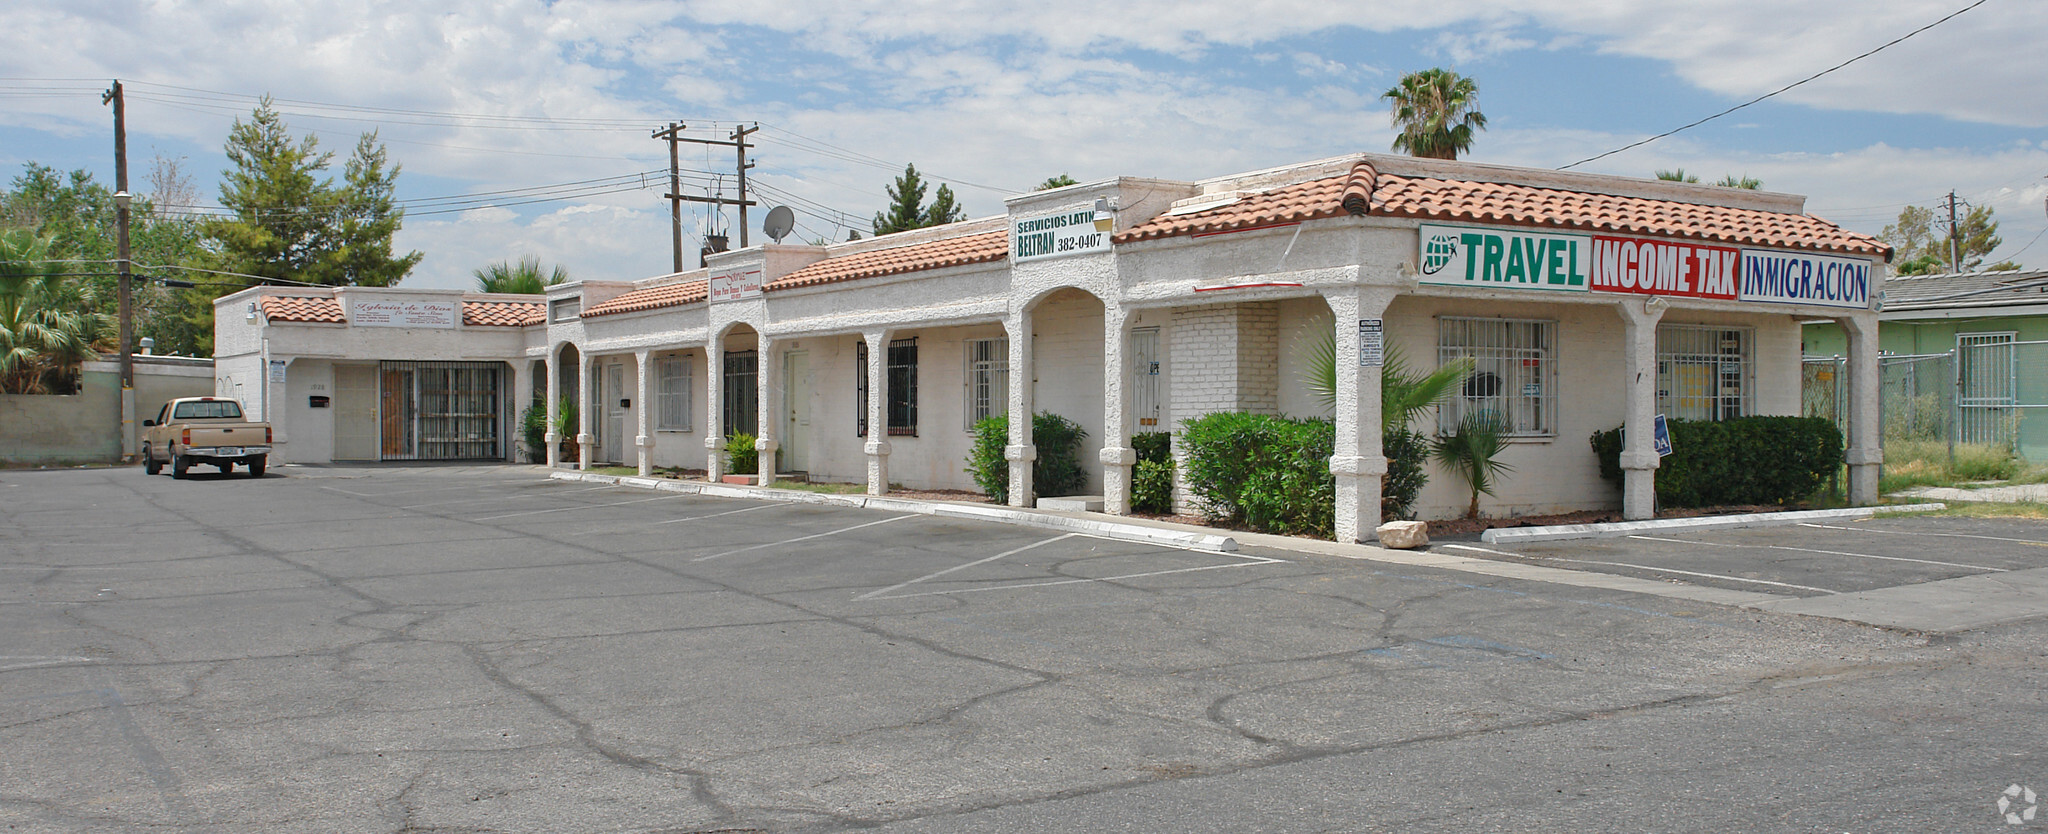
(578, 507)
(2035, 542)
(803, 538)
(1697, 573)
(1494, 552)
(1826, 552)
(501, 497)
(938, 574)
(1254, 561)
(715, 515)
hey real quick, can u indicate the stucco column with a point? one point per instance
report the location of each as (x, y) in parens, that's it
(1639, 424)
(767, 406)
(714, 407)
(1358, 462)
(643, 411)
(1020, 452)
(586, 369)
(553, 439)
(1865, 454)
(878, 411)
(1117, 456)
(517, 402)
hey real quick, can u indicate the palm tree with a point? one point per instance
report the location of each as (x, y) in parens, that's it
(47, 325)
(1436, 111)
(525, 277)
(1472, 453)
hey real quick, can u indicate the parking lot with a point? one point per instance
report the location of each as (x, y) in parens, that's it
(1803, 560)
(485, 649)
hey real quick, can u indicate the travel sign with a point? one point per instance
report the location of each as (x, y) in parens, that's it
(1465, 256)
(1461, 256)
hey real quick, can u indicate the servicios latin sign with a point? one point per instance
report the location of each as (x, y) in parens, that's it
(1073, 232)
(1466, 256)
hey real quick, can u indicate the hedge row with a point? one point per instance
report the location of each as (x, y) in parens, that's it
(1745, 460)
(1271, 474)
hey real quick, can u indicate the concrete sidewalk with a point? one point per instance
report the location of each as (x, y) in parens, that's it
(2015, 494)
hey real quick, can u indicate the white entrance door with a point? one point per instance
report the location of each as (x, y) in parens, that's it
(796, 400)
(614, 413)
(355, 412)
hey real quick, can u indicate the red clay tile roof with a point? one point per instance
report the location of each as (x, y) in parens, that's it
(503, 313)
(302, 309)
(650, 298)
(1310, 200)
(937, 254)
(1366, 192)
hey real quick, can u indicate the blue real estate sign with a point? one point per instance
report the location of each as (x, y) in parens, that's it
(1661, 437)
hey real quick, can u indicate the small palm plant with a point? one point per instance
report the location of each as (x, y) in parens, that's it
(1472, 453)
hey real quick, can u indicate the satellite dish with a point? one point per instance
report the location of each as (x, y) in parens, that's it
(780, 221)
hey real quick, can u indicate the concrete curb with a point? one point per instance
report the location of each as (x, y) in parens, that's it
(982, 512)
(1563, 532)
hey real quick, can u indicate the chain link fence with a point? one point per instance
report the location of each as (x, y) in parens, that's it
(1990, 393)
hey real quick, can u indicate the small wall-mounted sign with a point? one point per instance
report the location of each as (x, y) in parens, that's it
(1372, 343)
(316, 401)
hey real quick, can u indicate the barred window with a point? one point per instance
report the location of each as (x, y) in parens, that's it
(1514, 373)
(900, 404)
(739, 394)
(988, 379)
(1704, 373)
(674, 395)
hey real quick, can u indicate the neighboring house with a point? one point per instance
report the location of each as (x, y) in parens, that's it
(1973, 344)
(1127, 305)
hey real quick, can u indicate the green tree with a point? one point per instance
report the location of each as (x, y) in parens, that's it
(292, 223)
(1745, 182)
(75, 214)
(48, 324)
(525, 277)
(1060, 181)
(907, 209)
(1922, 245)
(1436, 111)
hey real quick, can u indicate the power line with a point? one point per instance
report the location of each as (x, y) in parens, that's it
(1888, 45)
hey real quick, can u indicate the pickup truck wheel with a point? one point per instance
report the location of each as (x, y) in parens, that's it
(149, 462)
(179, 465)
(256, 466)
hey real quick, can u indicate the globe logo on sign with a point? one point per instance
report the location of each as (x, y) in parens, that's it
(2018, 804)
(1438, 252)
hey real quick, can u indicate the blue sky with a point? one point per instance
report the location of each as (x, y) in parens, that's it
(480, 98)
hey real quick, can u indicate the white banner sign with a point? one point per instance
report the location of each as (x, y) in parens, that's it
(1074, 232)
(733, 286)
(402, 313)
(1504, 259)
(1801, 278)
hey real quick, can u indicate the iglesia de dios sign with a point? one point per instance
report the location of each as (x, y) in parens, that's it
(1517, 259)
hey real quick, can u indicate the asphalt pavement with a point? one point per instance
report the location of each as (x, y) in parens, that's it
(486, 649)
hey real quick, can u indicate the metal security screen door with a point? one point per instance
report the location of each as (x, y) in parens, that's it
(614, 412)
(442, 410)
(1145, 379)
(1987, 387)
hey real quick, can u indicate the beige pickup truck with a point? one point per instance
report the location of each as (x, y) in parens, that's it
(206, 430)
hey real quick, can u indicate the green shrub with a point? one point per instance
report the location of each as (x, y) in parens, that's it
(1271, 474)
(533, 427)
(1152, 477)
(985, 459)
(1058, 468)
(1406, 452)
(741, 456)
(1746, 460)
(1057, 471)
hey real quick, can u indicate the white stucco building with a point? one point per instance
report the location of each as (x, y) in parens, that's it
(1127, 305)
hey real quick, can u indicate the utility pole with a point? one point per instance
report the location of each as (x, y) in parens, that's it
(123, 266)
(1955, 252)
(675, 196)
(675, 189)
(739, 141)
